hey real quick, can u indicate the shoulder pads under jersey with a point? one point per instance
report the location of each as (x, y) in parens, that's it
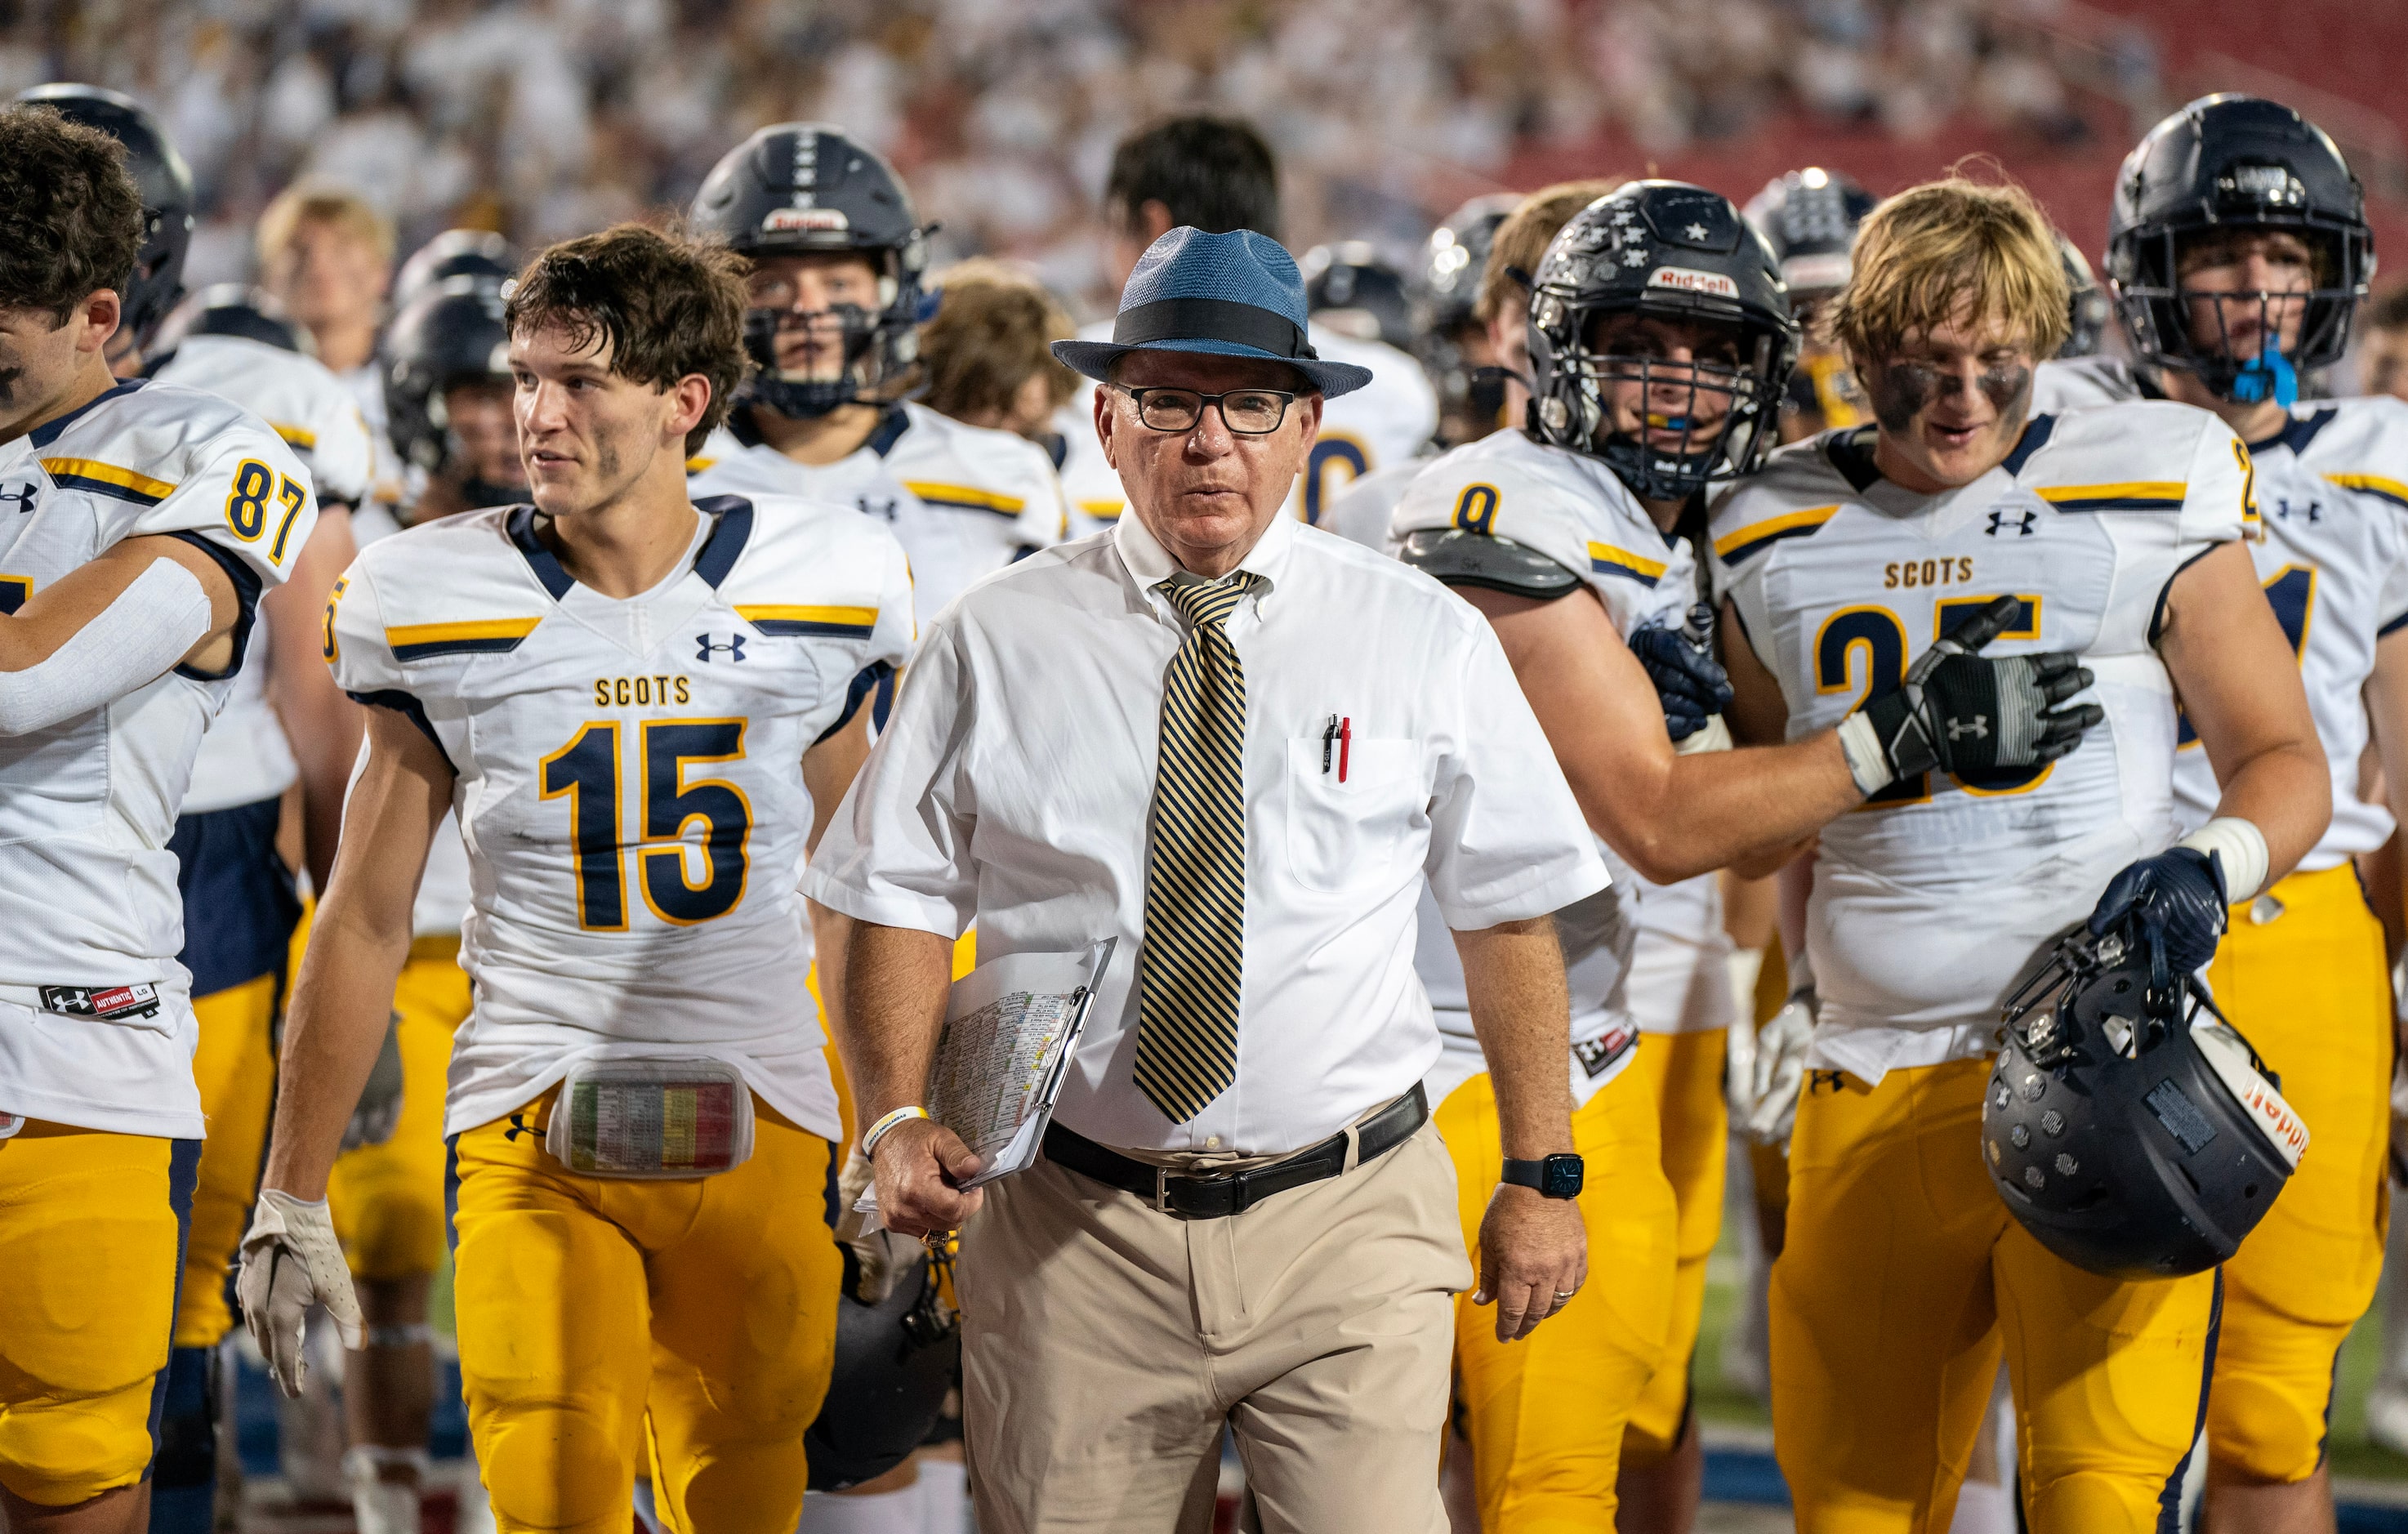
(1458, 558)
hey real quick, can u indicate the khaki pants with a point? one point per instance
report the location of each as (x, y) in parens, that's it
(1105, 1344)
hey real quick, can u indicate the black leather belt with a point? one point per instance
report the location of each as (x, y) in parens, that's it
(1218, 1198)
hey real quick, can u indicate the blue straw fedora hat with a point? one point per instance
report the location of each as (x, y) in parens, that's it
(1237, 294)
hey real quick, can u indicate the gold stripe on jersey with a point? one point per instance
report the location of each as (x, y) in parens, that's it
(695, 465)
(967, 498)
(296, 437)
(2373, 484)
(823, 621)
(1104, 511)
(108, 479)
(487, 636)
(1605, 559)
(2129, 495)
(1734, 547)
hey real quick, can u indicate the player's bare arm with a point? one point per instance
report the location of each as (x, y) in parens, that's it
(323, 725)
(896, 981)
(1671, 815)
(828, 769)
(357, 943)
(2239, 682)
(1533, 1250)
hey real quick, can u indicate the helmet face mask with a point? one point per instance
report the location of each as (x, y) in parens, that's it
(809, 190)
(1661, 339)
(2236, 171)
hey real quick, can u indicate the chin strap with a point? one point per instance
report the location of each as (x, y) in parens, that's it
(2267, 376)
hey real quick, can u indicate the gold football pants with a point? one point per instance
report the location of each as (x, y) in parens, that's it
(1547, 1414)
(1902, 1280)
(2310, 989)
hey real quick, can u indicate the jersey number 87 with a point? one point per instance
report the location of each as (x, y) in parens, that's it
(585, 771)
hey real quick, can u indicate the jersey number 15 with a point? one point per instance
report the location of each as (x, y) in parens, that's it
(585, 771)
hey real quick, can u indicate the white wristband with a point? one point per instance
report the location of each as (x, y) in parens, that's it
(1867, 763)
(1713, 735)
(2240, 847)
(886, 1125)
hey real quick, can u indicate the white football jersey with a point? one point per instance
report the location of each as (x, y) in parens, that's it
(1388, 421)
(1930, 898)
(385, 477)
(2078, 383)
(245, 756)
(2333, 495)
(1363, 514)
(89, 905)
(630, 780)
(1573, 509)
(443, 887)
(964, 500)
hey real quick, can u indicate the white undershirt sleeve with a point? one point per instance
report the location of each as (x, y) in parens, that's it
(154, 623)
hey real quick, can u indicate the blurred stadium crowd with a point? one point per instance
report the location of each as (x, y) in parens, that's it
(547, 118)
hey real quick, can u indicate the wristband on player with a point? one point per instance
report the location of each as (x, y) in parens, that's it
(886, 1125)
(2240, 847)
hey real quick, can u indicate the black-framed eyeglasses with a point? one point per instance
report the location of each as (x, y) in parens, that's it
(1248, 412)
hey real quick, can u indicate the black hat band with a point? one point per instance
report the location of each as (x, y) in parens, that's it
(1216, 320)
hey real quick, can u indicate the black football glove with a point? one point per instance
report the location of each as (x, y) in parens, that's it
(1966, 714)
(2172, 904)
(1691, 683)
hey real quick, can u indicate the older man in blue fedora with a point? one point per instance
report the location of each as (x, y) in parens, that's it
(1243, 747)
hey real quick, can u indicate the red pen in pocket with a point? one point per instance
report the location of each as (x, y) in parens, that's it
(1345, 742)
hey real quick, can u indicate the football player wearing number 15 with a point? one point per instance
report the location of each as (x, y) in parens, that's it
(2110, 533)
(642, 711)
(142, 523)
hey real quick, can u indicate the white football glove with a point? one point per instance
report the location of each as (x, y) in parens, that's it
(290, 1260)
(880, 1256)
(1780, 1071)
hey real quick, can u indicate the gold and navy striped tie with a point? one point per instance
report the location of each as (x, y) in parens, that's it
(1195, 867)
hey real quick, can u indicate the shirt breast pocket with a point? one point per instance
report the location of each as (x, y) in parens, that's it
(1351, 831)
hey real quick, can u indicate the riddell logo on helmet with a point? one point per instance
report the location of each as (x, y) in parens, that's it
(2274, 1116)
(1689, 280)
(794, 221)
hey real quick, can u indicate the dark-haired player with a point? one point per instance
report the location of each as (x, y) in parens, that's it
(642, 710)
(142, 523)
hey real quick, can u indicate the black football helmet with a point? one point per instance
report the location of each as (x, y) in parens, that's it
(168, 200)
(809, 187)
(1350, 275)
(895, 1362)
(454, 252)
(1809, 218)
(1678, 252)
(2088, 308)
(2131, 1136)
(2226, 162)
(230, 308)
(1444, 286)
(451, 334)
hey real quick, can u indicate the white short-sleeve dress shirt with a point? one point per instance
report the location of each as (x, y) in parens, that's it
(1015, 783)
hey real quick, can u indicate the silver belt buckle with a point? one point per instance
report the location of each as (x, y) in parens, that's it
(1162, 1190)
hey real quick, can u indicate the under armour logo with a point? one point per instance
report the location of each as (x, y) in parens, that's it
(885, 508)
(2022, 521)
(705, 646)
(23, 496)
(1979, 728)
(2313, 509)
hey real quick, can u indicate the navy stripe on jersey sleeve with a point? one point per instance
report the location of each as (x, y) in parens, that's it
(409, 709)
(246, 596)
(875, 677)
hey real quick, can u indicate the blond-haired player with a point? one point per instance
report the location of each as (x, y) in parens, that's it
(2115, 533)
(642, 711)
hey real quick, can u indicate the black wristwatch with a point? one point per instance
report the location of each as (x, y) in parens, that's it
(1558, 1176)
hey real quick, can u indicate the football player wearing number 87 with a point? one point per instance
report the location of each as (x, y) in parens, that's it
(141, 523)
(2110, 534)
(642, 710)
